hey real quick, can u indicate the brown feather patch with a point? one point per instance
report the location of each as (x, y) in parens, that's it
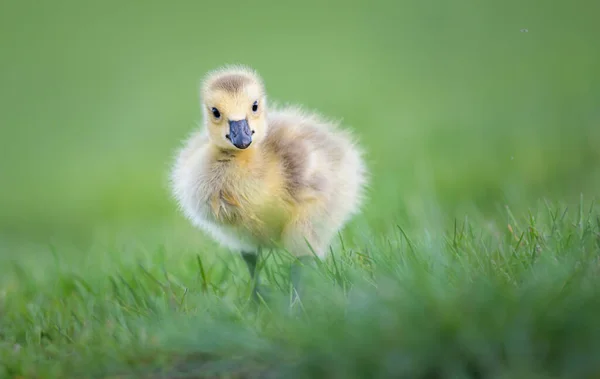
(293, 155)
(231, 83)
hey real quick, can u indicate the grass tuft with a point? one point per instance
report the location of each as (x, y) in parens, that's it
(502, 300)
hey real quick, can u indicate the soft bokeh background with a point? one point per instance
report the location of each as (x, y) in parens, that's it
(464, 107)
(461, 105)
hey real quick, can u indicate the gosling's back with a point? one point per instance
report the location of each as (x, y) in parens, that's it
(323, 166)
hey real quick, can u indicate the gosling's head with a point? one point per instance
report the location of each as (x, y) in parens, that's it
(234, 105)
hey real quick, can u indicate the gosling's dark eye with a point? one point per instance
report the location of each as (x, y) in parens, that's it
(255, 106)
(216, 112)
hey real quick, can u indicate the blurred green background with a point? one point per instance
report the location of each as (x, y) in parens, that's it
(462, 105)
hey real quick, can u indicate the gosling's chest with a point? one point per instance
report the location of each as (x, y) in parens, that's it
(255, 203)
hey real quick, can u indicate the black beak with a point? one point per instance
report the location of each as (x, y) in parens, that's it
(240, 133)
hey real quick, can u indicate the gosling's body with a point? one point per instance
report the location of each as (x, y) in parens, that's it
(301, 183)
(257, 177)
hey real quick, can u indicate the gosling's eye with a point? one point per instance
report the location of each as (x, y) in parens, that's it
(216, 113)
(255, 106)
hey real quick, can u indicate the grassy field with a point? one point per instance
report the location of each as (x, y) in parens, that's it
(476, 256)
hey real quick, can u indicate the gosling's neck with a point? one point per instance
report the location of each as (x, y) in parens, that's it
(247, 158)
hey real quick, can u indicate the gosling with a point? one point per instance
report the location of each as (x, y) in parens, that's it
(256, 176)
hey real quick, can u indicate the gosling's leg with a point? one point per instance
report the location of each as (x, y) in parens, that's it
(251, 260)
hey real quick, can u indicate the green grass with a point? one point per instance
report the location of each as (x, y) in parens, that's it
(514, 299)
(477, 252)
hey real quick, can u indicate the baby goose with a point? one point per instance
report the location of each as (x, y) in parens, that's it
(256, 176)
